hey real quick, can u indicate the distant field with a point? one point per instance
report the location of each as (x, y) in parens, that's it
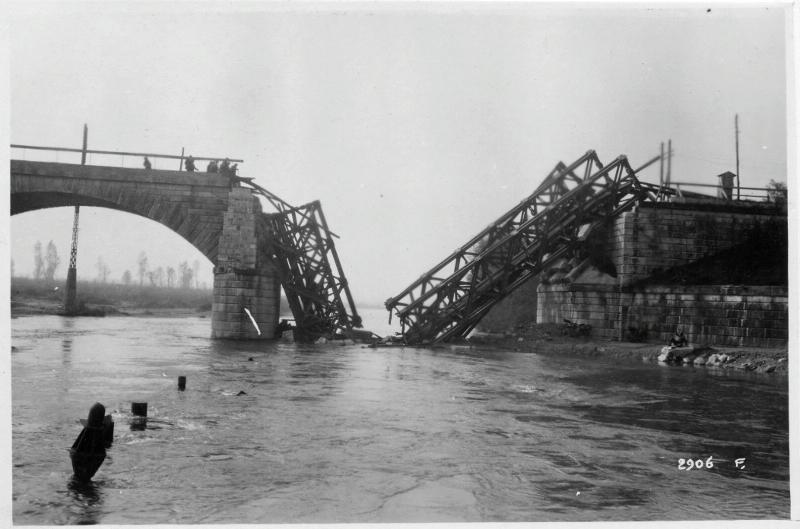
(109, 294)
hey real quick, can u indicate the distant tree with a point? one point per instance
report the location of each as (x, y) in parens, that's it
(38, 261)
(777, 192)
(103, 271)
(170, 277)
(185, 275)
(196, 272)
(126, 278)
(151, 277)
(142, 261)
(51, 261)
(158, 276)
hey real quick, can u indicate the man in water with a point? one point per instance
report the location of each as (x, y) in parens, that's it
(89, 449)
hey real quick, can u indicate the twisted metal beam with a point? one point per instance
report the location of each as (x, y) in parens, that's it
(451, 298)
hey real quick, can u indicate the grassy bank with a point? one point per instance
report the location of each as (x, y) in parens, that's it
(30, 296)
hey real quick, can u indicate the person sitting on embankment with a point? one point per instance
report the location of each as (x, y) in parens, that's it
(678, 339)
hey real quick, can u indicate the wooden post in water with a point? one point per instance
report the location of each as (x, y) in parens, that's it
(181, 383)
(139, 409)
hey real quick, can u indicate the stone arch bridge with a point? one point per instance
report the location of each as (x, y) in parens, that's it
(253, 252)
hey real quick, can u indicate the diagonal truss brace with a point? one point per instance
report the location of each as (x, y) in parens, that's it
(451, 298)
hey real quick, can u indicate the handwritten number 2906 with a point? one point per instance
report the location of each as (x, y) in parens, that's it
(691, 464)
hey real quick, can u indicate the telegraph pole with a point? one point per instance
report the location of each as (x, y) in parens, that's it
(736, 126)
(669, 162)
(70, 300)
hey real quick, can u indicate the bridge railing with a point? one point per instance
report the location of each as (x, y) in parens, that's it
(135, 160)
(756, 194)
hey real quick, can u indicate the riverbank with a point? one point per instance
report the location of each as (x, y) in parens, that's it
(36, 297)
(548, 339)
(39, 307)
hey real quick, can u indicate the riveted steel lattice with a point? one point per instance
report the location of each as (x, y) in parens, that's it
(303, 250)
(450, 299)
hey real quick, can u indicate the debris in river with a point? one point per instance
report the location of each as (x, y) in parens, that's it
(252, 319)
(89, 449)
(181, 383)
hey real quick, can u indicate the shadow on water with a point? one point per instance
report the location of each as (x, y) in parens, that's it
(87, 501)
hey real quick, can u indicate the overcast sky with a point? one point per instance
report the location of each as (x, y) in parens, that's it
(415, 125)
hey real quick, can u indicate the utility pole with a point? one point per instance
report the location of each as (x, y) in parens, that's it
(669, 162)
(661, 171)
(736, 126)
(71, 296)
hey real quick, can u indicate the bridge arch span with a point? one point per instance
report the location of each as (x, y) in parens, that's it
(221, 221)
(193, 205)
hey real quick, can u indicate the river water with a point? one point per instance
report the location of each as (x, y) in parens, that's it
(345, 433)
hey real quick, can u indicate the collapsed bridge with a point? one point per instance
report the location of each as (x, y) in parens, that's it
(573, 201)
(254, 253)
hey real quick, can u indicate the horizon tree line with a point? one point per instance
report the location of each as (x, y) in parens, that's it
(185, 276)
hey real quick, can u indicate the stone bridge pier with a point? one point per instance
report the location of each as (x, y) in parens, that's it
(243, 277)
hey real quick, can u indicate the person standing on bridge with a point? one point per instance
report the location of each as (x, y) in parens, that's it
(190, 164)
(212, 167)
(147, 164)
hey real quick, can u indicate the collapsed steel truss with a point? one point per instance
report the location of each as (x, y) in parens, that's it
(450, 299)
(303, 250)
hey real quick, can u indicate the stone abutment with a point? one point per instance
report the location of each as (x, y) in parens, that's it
(242, 281)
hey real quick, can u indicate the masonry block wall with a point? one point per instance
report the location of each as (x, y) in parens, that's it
(241, 279)
(655, 237)
(717, 315)
(652, 239)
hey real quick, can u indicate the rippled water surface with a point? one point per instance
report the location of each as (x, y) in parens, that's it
(338, 433)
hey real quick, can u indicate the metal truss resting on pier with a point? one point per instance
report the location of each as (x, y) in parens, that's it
(450, 299)
(311, 274)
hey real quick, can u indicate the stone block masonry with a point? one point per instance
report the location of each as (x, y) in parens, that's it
(713, 314)
(235, 291)
(241, 280)
(649, 240)
(653, 238)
